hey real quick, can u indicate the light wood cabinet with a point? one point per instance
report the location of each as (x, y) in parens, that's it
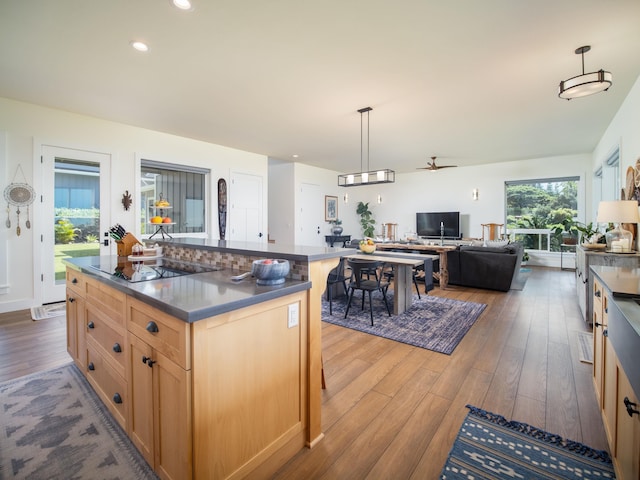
(627, 457)
(76, 345)
(160, 388)
(613, 390)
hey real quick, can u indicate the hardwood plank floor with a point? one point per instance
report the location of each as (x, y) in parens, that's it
(391, 410)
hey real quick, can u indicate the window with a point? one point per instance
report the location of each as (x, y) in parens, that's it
(183, 187)
(540, 211)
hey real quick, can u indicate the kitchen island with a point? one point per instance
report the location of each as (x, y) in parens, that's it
(210, 377)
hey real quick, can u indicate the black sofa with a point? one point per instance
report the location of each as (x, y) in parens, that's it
(493, 268)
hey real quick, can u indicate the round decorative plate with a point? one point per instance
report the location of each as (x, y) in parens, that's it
(631, 184)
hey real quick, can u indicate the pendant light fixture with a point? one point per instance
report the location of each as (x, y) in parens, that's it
(366, 177)
(587, 83)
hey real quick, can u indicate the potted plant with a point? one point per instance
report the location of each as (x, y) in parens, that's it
(569, 230)
(589, 233)
(366, 219)
(525, 258)
(336, 229)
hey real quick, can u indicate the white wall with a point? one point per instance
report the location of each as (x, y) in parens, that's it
(624, 130)
(27, 126)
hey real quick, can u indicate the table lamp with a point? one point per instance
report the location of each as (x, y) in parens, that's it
(618, 212)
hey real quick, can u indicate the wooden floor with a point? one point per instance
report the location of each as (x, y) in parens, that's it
(392, 411)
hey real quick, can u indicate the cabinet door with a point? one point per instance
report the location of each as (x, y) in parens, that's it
(609, 386)
(172, 419)
(628, 433)
(599, 326)
(140, 378)
(75, 328)
(160, 413)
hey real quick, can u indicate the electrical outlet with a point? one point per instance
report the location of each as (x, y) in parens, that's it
(293, 317)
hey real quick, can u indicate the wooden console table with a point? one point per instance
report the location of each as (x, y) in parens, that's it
(440, 249)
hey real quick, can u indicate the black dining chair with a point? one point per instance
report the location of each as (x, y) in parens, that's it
(336, 276)
(389, 274)
(361, 271)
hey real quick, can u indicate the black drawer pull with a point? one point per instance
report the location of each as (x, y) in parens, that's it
(598, 294)
(71, 299)
(629, 404)
(91, 366)
(152, 327)
(117, 348)
(91, 325)
(148, 361)
(74, 280)
(605, 333)
(117, 398)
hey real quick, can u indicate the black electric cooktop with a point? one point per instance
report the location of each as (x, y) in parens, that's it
(145, 270)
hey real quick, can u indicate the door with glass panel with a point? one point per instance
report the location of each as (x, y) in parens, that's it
(74, 212)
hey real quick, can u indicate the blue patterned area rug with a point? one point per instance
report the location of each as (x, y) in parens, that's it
(53, 426)
(488, 446)
(433, 323)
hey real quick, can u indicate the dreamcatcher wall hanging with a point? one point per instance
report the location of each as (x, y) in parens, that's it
(18, 195)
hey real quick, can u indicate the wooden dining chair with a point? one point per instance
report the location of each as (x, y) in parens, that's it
(361, 271)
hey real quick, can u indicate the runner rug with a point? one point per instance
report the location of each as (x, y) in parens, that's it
(433, 323)
(490, 447)
(53, 426)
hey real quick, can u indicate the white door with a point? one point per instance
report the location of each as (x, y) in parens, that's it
(75, 212)
(245, 205)
(310, 216)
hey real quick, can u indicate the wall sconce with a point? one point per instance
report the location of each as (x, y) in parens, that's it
(475, 194)
(379, 198)
(346, 198)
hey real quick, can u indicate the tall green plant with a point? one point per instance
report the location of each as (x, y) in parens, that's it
(366, 219)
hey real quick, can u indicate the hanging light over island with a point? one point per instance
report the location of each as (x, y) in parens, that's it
(369, 177)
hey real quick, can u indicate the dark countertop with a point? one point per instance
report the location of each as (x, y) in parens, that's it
(268, 250)
(195, 296)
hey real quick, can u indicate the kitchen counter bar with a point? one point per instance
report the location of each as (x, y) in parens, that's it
(194, 296)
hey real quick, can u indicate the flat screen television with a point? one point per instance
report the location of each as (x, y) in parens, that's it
(428, 224)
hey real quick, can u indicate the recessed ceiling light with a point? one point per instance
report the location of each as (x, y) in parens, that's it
(140, 46)
(182, 4)
(295, 155)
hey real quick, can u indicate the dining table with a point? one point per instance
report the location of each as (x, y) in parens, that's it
(441, 250)
(402, 278)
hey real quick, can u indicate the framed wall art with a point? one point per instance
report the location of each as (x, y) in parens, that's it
(330, 208)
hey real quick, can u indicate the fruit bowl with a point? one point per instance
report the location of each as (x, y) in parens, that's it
(367, 248)
(270, 271)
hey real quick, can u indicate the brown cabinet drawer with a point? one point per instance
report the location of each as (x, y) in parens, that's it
(110, 301)
(108, 338)
(164, 333)
(76, 281)
(108, 384)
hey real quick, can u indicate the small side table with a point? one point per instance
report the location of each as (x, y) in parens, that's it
(569, 248)
(331, 239)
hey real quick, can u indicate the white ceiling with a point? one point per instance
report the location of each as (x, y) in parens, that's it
(468, 81)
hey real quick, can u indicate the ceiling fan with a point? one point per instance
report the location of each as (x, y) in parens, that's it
(431, 166)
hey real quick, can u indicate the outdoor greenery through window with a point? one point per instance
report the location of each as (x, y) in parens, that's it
(542, 214)
(183, 188)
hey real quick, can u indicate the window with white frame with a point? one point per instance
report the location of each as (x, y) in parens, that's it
(183, 187)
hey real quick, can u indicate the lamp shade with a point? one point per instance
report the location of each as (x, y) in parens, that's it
(619, 240)
(618, 211)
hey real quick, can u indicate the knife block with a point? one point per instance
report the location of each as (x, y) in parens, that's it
(126, 244)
